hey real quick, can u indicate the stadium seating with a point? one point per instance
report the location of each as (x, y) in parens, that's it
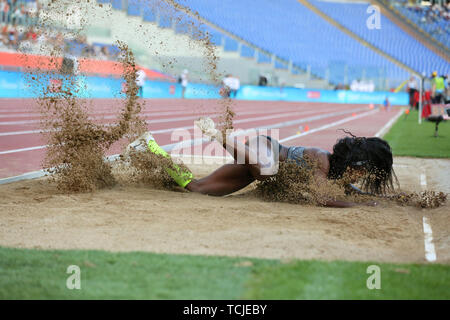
(389, 37)
(291, 31)
(438, 27)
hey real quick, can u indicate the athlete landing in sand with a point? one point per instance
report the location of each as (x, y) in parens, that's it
(352, 158)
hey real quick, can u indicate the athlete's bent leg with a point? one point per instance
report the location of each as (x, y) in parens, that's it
(227, 179)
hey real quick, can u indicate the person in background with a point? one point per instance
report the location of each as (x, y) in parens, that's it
(32, 8)
(140, 81)
(13, 38)
(355, 85)
(437, 88)
(235, 86)
(184, 80)
(104, 54)
(16, 15)
(412, 89)
(227, 84)
(3, 41)
(387, 104)
(4, 7)
(447, 89)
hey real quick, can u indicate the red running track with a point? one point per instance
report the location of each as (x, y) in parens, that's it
(22, 147)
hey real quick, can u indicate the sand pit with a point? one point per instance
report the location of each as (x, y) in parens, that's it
(33, 215)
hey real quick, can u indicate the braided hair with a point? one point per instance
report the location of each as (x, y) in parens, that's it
(372, 154)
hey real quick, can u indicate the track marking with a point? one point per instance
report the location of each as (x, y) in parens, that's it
(112, 113)
(23, 149)
(43, 172)
(272, 126)
(423, 180)
(215, 115)
(25, 176)
(15, 133)
(389, 124)
(329, 125)
(430, 253)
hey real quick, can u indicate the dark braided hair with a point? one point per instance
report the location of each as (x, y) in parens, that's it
(373, 154)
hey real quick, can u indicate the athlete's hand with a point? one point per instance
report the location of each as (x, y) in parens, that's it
(208, 127)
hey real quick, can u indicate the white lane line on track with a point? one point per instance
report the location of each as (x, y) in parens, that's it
(13, 133)
(43, 172)
(277, 125)
(272, 126)
(16, 133)
(324, 114)
(169, 147)
(113, 115)
(291, 112)
(389, 124)
(423, 180)
(277, 115)
(430, 252)
(23, 149)
(295, 136)
(25, 176)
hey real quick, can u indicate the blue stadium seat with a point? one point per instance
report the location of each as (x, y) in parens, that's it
(281, 65)
(116, 4)
(264, 58)
(291, 31)
(247, 51)
(165, 20)
(134, 7)
(389, 38)
(230, 44)
(439, 29)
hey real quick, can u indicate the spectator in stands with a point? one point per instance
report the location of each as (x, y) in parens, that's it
(19, 14)
(3, 41)
(140, 82)
(184, 80)
(437, 88)
(14, 12)
(412, 89)
(104, 53)
(4, 11)
(31, 35)
(32, 9)
(13, 38)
